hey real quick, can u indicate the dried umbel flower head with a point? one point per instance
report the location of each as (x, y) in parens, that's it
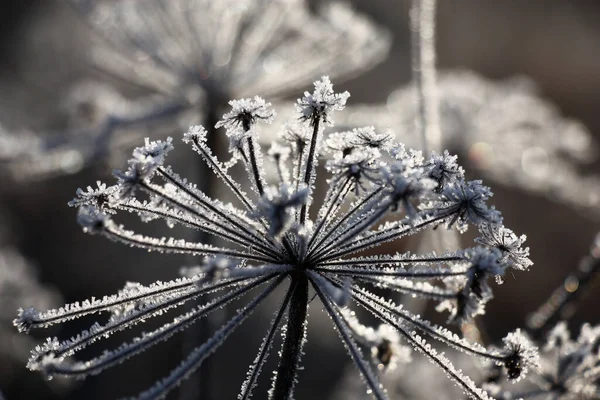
(276, 234)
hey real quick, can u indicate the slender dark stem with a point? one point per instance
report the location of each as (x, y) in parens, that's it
(359, 272)
(292, 346)
(254, 167)
(264, 350)
(201, 332)
(309, 165)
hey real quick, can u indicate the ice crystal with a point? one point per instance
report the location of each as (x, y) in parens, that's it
(190, 57)
(272, 235)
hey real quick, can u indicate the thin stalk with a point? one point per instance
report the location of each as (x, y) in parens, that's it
(254, 167)
(309, 165)
(200, 332)
(334, 199)
(294, 338)
(424, 72)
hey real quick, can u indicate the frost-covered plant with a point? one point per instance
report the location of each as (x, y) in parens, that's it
(569, 369)
(508, 132)
(188, 58)
(377, 192)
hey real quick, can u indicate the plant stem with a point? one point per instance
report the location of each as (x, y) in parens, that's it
(309, 167)
(202, 331)
(424, 72)
(294, 338)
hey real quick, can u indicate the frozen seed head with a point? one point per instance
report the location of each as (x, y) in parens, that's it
(463, 307)
(319, 105)
(466, 200)
(569, 367)
(360, 167)
(344, 143)
(196, 133)
(26, 318)
(297, 136)
(340, 144)
(99, 197)
(443, 169)
(558, 337)
(153, 153)
(406, 187)
(514, 255)
(519, 355)
(142, 166)
(368, 137)
(484, 263)
(245, 113)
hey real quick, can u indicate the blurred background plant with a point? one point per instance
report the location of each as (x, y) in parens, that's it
(44, 44)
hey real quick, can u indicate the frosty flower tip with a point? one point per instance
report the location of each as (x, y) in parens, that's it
(195, 133)
(99, 197)
(384, 342)
(466, 202)
(519, 355)
(497, 236)
(484, 263)
(318, 105)
(245, 113)
(26, 318)
(569, 367)
(557, 337)
(358, 139)
(443, 168)
(153, 152)
(142, 166)
(356, 167)
(297, 136)
(406, 186)
(368, 137)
